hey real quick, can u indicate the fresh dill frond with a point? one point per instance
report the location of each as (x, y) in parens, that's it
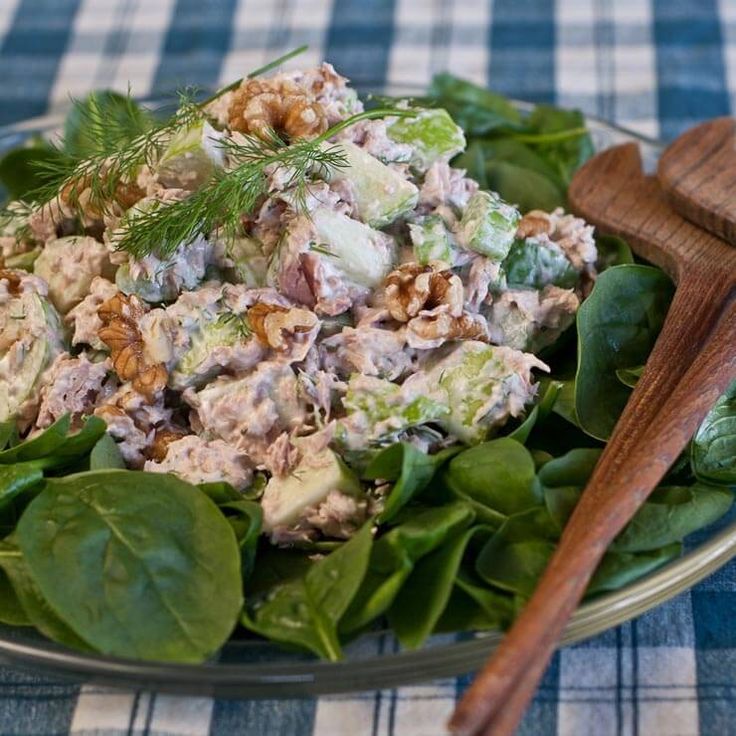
(123, 143)
(323, 249)
(117, 160)
(237, 322)
(219, 205)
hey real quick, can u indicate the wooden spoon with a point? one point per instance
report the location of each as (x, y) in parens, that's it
(692, 364)
(698, 173)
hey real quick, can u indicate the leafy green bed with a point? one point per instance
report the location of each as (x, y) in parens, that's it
(134, 564)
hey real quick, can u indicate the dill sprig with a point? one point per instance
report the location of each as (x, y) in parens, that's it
(219, 205)
(123, 143)
(237, 322)
(122, 148)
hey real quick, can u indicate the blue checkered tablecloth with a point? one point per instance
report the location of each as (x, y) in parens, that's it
(653, 65)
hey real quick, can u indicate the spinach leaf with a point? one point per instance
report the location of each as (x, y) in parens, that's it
(562, 481)
(35, 607)
(539, 412)
(105, 454)
(516, 555)
(713, 449)
(394, 554)
(498, 475)
(55, 447)
(612, 251)
(12, 612)
(7, 431)
(102, 119)
(525, 188)
(306, 609)
(670, 514)
(155, 584)
(479, 152)
(246, 519)
(410, 469)
(618, 325)
(220, 492)
(464, 613)
(475, 109)
(567, 153)
(630, 376)
(41, 445)
(22, 172)
(17, 479)
(565, 402)
(424, 596)
(618, 569)
(667, 516)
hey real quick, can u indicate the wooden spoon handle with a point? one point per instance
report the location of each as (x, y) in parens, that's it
(698, 173)
(496, 701)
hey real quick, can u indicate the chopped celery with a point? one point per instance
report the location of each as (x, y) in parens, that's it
(433, 134)
(488, 225)
(534, 263)
(286, 498)
(431, 240)
(381, 193)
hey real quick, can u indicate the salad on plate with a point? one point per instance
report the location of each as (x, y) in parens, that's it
(291, 365)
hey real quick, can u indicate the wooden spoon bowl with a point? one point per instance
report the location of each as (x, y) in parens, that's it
(693, 362)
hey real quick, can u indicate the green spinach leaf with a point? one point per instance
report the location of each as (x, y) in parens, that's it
(618, 569)
(306, 609)
(630, 376)
(7, 431)
(618, 325)
(246, 519)
(105, 454)
(394, 554)
(102, 120)
(410, 469)
(713, 449)
(525, 188)
(498, 475)
(612, 251)
(424, 596)
(155, 584)
(18, 479)
(36, 609)
(539, 412)
(475, 109)
(22, 172)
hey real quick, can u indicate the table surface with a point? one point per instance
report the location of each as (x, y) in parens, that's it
(655, 66)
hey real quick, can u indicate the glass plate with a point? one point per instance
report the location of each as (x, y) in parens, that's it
(252, 669)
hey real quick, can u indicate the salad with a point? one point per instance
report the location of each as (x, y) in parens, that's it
(285, 364)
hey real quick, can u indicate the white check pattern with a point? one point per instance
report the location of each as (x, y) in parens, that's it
(653, 65)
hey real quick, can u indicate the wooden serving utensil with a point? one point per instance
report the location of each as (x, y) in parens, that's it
(691, 365)
(698, 173)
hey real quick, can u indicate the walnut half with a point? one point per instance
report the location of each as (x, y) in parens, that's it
(432, 330)
(535, 222)
(412, 288)
(119, 316)
(274, 324)
(258, 105)
(161, 441)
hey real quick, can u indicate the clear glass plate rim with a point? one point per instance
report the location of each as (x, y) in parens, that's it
(300, 678)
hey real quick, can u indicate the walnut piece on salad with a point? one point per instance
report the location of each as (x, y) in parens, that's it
(386, 299)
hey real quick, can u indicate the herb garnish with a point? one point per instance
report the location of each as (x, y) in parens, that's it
(124, 142)
(219, 205)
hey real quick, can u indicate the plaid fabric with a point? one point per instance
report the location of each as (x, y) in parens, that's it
(654, 66)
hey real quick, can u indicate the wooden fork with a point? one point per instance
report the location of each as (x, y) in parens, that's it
(692, 364)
